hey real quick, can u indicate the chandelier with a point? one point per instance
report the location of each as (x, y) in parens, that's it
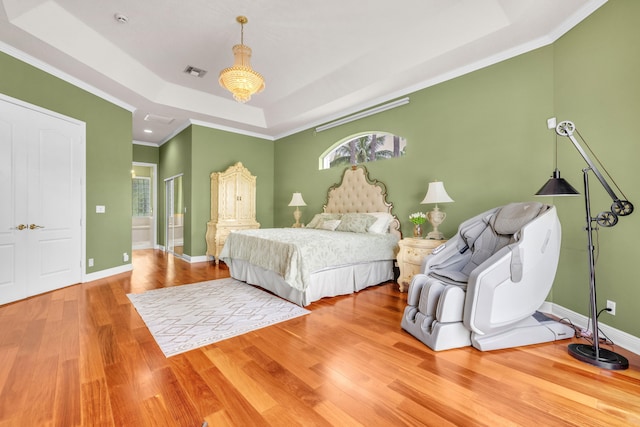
(240, 79)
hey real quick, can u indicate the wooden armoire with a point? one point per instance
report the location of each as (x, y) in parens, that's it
(233, 206)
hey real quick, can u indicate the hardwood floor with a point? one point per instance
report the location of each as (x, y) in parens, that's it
(82, 356)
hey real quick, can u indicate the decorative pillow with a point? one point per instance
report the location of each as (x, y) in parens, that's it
(329, 224)
(356, 222)
(321, 217)
(383, 220)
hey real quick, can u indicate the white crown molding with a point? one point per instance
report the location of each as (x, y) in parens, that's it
(590, 7)
(174, 133)
(147, 144)
(576, 18)
(232, 130)
(24, 57)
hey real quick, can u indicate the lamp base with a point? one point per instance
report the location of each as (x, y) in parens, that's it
(607, 359)
(297, 215)
(435, 235)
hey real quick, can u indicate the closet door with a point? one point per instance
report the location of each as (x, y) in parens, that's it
(13, 215)
(40, 229)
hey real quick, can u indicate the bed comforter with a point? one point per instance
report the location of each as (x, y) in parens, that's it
(296, 253)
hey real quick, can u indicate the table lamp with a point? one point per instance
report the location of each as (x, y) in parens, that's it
(296, 200)
(436, 194)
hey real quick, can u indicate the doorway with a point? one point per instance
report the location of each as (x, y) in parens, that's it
(42, 157)
(174, 221)
(143, 206)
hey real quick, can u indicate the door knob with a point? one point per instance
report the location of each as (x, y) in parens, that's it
(33, 226)
(21, 227)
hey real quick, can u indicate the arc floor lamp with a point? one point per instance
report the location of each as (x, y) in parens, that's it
(557, 186)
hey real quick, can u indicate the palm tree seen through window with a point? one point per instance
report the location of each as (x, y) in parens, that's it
(363, 148)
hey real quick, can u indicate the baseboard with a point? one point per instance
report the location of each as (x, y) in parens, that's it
(129, 267)
(194, 259)
(189, 259)
(106, 273)
(620, 338)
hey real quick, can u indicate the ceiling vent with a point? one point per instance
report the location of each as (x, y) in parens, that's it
(119, 17)
(158, 119)
(196, 72)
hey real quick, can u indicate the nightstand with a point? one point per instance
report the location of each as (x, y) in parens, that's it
(412, 252)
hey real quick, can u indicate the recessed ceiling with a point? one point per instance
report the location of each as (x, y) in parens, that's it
(321, 60)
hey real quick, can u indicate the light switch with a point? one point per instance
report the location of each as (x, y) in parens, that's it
(100, 209)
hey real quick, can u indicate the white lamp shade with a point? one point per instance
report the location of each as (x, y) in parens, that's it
(297, 200)
(436, 194)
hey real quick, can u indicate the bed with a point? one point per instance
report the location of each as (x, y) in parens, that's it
(341, 251)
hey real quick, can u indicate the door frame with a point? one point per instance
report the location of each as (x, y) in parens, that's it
(154, 189)
(166, 212)
(82, 174)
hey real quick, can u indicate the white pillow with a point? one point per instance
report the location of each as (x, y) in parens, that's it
(383, 220)
(329, 224)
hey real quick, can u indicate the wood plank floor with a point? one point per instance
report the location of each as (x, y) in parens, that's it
(82, 356)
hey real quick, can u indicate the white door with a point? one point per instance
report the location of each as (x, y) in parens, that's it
(40, 218)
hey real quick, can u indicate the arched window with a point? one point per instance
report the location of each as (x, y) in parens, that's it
(362, 148)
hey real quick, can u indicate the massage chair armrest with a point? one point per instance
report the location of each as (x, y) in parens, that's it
(492, 288)
(439, 255)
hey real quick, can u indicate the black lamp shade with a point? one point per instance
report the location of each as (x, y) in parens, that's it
(557, 186)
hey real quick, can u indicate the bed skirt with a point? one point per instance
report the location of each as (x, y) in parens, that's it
(325, 283)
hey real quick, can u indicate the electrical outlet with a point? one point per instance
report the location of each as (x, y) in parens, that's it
(125, 257)
(611, 305)
(90, 262)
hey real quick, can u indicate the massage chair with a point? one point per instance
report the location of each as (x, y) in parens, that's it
(484, 286)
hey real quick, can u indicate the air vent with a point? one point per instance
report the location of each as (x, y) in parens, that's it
(158, 119)
(119, 17)
(196, 72)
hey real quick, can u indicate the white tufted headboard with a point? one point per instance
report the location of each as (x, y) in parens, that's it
(357, 194)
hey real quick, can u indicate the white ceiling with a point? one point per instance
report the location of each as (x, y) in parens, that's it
(321, 59)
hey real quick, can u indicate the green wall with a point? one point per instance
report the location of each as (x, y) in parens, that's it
(175, 159)
(214, 151)
(478, 133)
(484, 134)
(597, 86)
(108, 157)
(198, 151)
(145, 154)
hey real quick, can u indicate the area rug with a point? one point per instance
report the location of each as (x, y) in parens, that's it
(185, 317)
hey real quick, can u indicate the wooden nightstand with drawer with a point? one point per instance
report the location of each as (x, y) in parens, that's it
(412, 252)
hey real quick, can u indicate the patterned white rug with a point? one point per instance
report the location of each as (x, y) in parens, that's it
(185, 317)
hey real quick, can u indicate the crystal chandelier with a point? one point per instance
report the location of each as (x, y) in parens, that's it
(240, 79)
